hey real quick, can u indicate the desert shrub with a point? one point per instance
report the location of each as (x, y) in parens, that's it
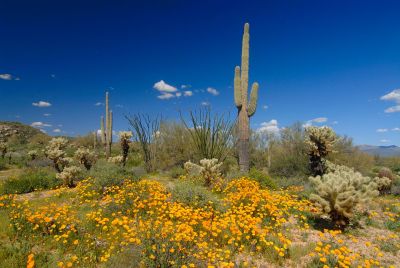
(105, 174)
(3, 164)
(40, 162)
(320, 142)
(208, 170)
(194, 195)
(340, 191)
(3, 149)
(262, 178)
(138, 172)
(176, 172)
(30, 180)
(86, 157)
(289, 158)
(68, 175)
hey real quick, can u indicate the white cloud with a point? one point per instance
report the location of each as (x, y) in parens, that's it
(384, 141)
(6, 76)
(318, 120)
(185, 86)
(99, 104)
(47, 115)
(396, 129)
(40, 124)
(393, 109)
(382, 130)
(212, 91)
(119, 106)
(57, 130)
(166, 96)
(41, 104)
(265, 107)
(178, 94)
(392, 96)
(271, 126)
(188, 93)
(164, 87)
(44, 131)
(205, 103)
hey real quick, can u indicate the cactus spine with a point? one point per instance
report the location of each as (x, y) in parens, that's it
(246, 108)
(106, 133)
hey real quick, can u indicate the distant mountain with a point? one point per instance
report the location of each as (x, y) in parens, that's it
(390, 150)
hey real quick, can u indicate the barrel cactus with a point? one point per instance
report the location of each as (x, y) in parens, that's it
(337, 193)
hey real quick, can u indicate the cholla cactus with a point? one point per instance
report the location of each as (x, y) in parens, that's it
(384, 184)
(115, 159)
(3, 149)
(124, 137)
(339, 192)
(85, 157)
(33, 154)
(320, 142)
(55, 152)
(246, 108)
(209, 170)
(68, 175)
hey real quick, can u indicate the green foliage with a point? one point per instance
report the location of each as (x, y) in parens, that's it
(194, 195)
(262, 178)
(176, 172)
(106, 174)
(320, 142)
(30, 180)
(338, 193)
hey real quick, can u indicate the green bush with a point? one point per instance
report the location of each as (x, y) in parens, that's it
(31, 180)
(106, 174)
(2, 164)
(194, 195)
(176, 171)
(263, 179)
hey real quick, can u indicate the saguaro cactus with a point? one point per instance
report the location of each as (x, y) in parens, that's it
(106, 134)
(246, 108)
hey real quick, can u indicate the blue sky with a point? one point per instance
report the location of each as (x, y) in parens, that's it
(319, 62)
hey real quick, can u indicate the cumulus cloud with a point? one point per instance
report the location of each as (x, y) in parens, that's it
(205, 103)
(41, 104)
(212, 91)
(318, 120)
(178, 94)
(270, 127)
(6, 76)
(166, 96)
(185, 86)
(382, 130)
(57, 130)
(40, 124)
(99, 104)
(164, 87)
(396, 129)
(47, 115)
(188, 93)
(395, 97)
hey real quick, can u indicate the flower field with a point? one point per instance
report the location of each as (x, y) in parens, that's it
(140, 224)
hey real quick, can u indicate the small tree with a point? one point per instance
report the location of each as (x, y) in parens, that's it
(146, 131)
(68, 175)
(55, 152)
(337, 193)
(3, 149)
(320, 142)
(85, 157)
(124, 137)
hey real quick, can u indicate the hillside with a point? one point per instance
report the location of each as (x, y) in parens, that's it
(22, 133)
(391, 150)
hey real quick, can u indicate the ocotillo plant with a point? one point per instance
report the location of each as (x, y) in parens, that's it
(246, 108)
(106, 134)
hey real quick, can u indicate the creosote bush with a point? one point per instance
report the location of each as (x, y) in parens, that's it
(337, 193)
(320, 142)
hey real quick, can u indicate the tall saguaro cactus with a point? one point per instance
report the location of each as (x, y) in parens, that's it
(106, 134)
(246, 108)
